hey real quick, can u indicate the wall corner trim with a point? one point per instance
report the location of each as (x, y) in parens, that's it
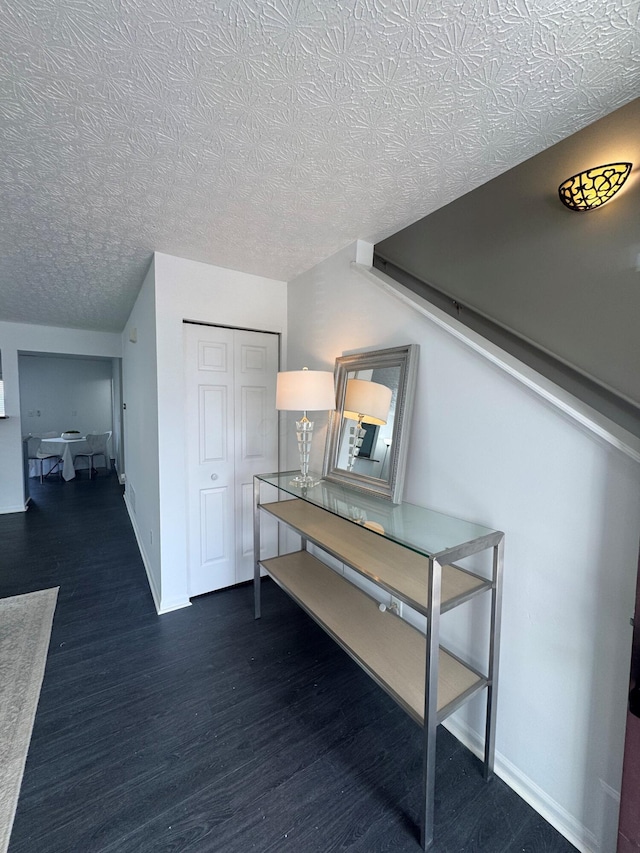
(569, 405)
(169, 607)
(6, 510)
(161, 607)
(364, 253)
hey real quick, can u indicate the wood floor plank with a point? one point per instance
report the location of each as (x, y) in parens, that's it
(206, 731)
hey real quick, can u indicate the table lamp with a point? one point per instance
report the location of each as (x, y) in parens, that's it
(306, 391)
(366, 403)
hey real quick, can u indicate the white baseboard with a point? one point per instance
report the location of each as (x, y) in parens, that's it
(155, 592)
(5, 510)
(179, 604)
(567, 825)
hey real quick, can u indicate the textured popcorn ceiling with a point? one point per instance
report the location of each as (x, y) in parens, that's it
(265, 135)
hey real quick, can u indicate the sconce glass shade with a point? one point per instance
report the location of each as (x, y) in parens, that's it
(305, 391)
(593, 187)
(367, 402)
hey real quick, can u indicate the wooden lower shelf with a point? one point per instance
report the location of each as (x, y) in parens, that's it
(376, 557)
(389, 649)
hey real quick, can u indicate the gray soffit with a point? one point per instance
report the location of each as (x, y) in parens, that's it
(264, 136)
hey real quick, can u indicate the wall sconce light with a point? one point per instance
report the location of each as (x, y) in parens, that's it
(305, 390)
(364, 402)
(593, 187)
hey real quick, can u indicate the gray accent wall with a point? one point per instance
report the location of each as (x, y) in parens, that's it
(568, 283)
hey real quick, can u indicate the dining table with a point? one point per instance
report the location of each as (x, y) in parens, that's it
(66, 449)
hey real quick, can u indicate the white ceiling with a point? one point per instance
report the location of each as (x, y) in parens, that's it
(264, 135)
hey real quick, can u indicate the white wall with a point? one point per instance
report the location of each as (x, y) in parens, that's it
(15, 337)
(179, 290)
(58, 394)
(140, 423)
(116, 408)
(486, 448)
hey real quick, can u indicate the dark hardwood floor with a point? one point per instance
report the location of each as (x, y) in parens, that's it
(205, 730)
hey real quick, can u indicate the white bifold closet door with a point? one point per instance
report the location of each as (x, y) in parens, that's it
(232, 434)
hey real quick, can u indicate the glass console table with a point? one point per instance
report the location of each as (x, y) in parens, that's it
(409, 552)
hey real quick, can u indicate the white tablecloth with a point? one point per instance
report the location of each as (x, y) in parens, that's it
(67, 449)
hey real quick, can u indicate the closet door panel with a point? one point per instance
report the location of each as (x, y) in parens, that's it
(232, 434)
(257, 437)
(210, 434)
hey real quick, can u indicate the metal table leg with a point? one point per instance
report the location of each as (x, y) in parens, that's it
(256, 547)
(431, 705)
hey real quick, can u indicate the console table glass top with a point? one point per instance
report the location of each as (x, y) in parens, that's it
(427, 532)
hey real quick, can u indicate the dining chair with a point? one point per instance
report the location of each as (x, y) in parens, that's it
(97, 446)
(38, 456)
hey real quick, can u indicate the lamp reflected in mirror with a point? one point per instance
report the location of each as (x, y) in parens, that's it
(365, 402)
(387, 444)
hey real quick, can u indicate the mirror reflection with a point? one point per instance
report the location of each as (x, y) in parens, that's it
(367, 421)
(367, 441)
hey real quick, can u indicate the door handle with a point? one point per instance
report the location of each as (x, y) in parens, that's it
(214, 476)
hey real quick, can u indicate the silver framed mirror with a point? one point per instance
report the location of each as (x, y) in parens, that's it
(368, 434)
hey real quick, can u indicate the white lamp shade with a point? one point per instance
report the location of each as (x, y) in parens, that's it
(305, 391)
(368, 401)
